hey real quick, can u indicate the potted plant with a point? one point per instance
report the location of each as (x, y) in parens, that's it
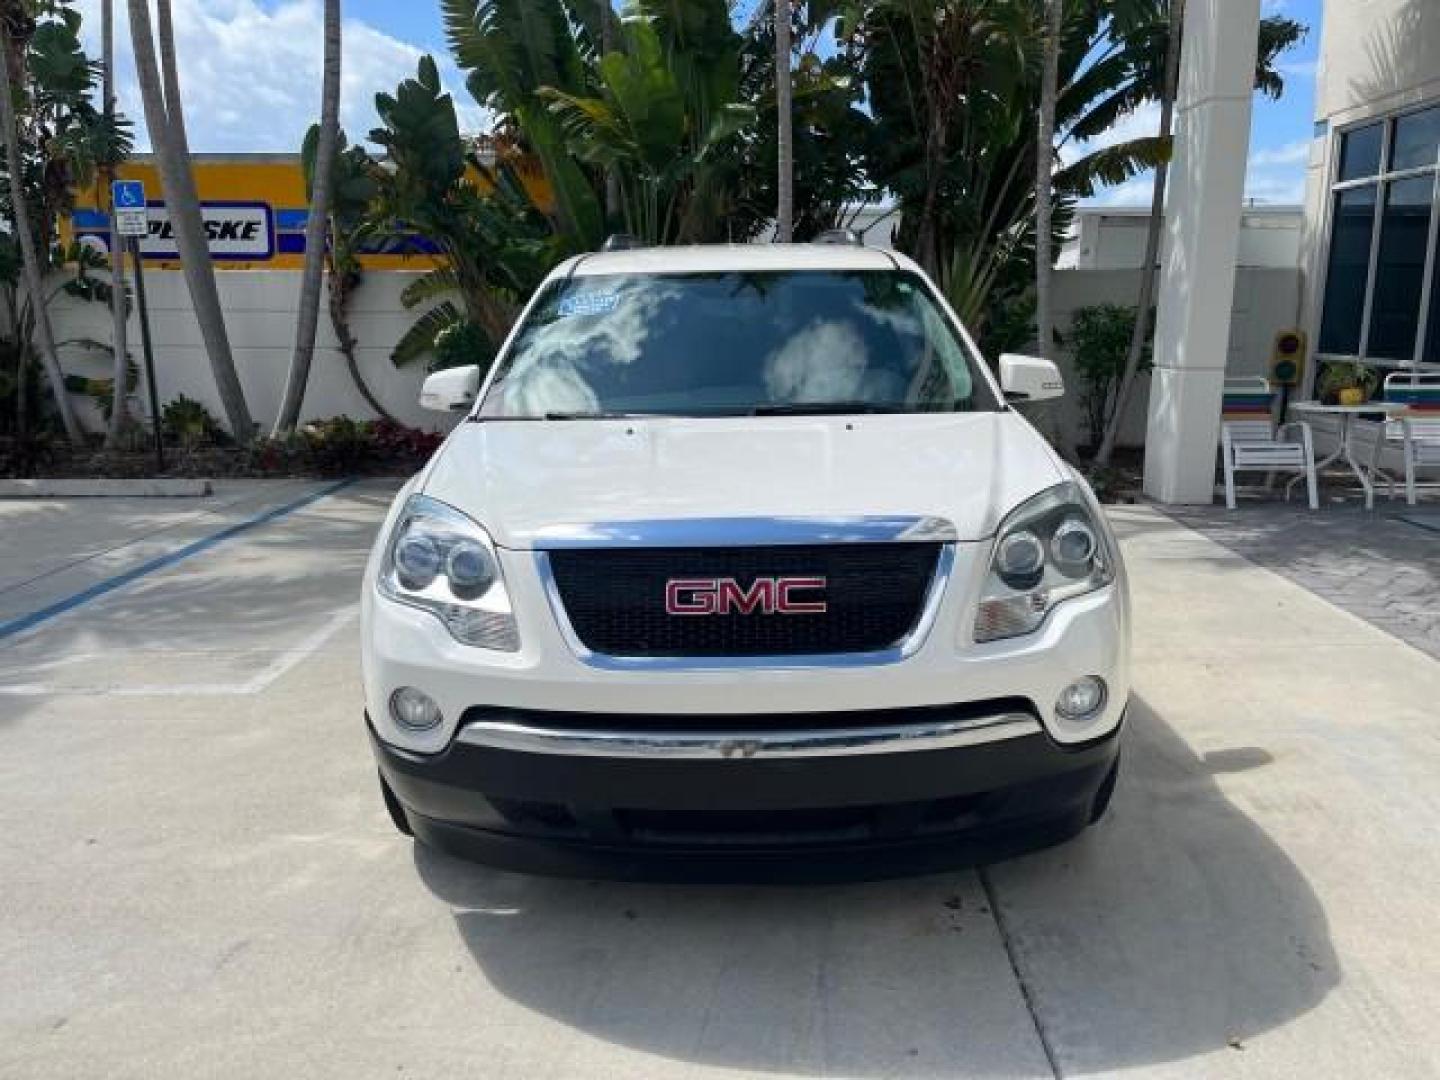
(1347, 382)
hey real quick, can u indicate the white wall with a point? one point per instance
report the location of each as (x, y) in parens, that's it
(1115, 239)
(259, 310)
(1266, 301)
(260, 316)
(1376, 54)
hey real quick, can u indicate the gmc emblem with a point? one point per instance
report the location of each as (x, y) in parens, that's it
(725, 596)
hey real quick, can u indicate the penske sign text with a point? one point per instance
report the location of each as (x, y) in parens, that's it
(234, 231)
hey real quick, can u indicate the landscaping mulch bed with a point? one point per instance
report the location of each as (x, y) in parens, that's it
(211, 463)
(335, 447)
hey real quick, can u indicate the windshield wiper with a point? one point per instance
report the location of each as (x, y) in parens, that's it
(602, 415)
(825, 408)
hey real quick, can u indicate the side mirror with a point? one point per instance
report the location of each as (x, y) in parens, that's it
(451, 390)
(1029, 378)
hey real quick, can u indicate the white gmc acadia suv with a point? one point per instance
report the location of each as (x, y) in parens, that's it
(742, 565)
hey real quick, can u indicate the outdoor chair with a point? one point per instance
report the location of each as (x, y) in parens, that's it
(1417, 429)
(1250, 440)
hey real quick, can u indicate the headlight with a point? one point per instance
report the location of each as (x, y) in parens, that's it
(1047, 551)
(440, 561)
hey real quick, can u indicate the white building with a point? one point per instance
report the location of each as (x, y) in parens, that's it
(1113, 238)
(1372, 202)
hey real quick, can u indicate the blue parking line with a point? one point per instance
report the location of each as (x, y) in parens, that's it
(119, 581)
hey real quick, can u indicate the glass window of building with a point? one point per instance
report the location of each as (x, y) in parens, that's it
(1379, 301)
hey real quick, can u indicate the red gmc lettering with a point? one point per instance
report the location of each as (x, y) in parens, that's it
(690, 596)
(726, 596)
(788, 606)
(730, 597)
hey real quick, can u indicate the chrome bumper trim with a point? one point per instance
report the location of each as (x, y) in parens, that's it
(714, 745)
(745, 532)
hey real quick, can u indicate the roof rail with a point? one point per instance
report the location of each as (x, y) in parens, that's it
(621, 242)
(848, 237)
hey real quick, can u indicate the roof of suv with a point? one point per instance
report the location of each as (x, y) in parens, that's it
(720, 258)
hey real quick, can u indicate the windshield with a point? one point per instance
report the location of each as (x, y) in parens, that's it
(735, 344)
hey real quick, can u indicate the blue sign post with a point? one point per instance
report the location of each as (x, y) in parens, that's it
(132, 221)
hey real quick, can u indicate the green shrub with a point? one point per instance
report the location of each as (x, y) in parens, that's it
(187, 422)
(338, 446)
(1099, 341)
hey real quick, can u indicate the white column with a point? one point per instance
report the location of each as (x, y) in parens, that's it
(1202, 236)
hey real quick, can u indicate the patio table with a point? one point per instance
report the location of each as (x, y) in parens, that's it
(1346, 449)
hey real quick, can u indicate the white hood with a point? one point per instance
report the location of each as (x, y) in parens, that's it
(517, 478)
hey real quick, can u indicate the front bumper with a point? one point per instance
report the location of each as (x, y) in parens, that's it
(854, 795)
(403, 646)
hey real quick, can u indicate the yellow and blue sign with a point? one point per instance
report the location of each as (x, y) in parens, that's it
(254, 210)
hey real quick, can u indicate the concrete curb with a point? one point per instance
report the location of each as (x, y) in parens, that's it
(159, 487)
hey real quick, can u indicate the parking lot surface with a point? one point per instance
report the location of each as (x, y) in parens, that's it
(198, 878)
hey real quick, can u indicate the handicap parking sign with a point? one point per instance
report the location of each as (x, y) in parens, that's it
(128, 195)
(131, 217)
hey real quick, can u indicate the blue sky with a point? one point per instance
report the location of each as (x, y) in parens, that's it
(251, 75)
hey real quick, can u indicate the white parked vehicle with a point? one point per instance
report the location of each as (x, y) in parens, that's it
(742, 564)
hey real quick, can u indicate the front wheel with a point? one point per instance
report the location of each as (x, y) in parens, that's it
(1106, 792)
(397, 812)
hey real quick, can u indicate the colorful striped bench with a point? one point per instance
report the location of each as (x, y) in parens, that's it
(1249, 439)
(1417, 429)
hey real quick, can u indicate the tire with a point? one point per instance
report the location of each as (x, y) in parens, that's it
(396, 811)
(1106, 792)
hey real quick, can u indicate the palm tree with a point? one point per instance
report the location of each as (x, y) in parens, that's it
(785, 214)
(324, 170)
(34, 283)
(607, 46)
(1044, 168)
(352, 193)
(1152, 240)
(118, 334)
(165, 121)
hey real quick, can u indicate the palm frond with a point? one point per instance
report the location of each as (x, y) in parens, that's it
(419, 340)
(1112, 165)
(430, 286)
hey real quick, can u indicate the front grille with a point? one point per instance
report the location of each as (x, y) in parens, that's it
(874, 597)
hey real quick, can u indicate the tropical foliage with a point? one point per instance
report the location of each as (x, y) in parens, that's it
(928, 104)
(954, 86)
(352, 193)
(656, 118)
(470, 207)
(1099, 339)
(63, 142)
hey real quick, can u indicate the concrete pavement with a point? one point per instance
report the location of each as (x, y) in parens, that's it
(198, 879)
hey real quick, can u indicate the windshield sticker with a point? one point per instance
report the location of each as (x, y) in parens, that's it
(588, 304)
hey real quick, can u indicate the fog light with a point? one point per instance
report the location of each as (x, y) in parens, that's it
(1082, 699)
(414, 710)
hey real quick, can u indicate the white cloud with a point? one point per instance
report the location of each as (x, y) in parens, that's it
(251, 76)
(1276, 189)
(1137, 192)
(1266, 186)
(1291, 153)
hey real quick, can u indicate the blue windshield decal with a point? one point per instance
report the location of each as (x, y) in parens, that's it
(588, 304)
